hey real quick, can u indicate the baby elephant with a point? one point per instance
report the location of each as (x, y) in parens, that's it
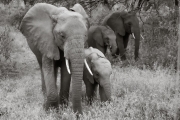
(101, 37)
(101, 71)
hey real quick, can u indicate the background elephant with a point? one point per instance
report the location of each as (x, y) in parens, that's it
(101, 37)
(124, 24)
(101, 69)
(56, 36)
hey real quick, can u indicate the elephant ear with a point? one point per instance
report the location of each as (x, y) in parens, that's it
(98, 36)
(37, 27)
(115, 22)
(78, 8)
(90, 58)
(105, 33)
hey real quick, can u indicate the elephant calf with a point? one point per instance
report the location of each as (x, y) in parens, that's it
(101, 37)
(101, 70)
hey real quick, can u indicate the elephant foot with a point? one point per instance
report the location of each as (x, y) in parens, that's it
(125, 63)
(62, 106)
(136, 59)
(90, 101)
(123, 58)
(50, 105)
(63, 102)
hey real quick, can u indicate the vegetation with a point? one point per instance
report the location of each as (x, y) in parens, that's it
(136, 94)
(141, 90)
(7, 66)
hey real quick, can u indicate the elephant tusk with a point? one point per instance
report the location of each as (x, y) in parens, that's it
(67, 66)
(142, 37)
(87, 66)
(133, 35)
(116, 55)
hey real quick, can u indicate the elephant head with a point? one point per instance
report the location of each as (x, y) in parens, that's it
(101, 69)
(124, 23)
(49, 29)
(103, 37)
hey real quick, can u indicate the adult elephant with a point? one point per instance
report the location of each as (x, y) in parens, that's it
(101, 37)
(56, 36)
(123, 24)
(101, 70)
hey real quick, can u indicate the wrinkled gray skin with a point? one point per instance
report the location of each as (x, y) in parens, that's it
(55, 34)
(101, 69)
(123, 24)
(101, 37)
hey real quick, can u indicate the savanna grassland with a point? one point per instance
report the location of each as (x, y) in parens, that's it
(146, 90)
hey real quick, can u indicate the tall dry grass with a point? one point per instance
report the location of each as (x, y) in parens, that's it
(136, 94)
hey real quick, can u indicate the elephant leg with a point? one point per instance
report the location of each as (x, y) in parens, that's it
(65, 84)
(126, 40)
(136, 52)
(55, 70)
(39, 59)
(91, 90)
(43, 83)
(120, 44)
(48, 68)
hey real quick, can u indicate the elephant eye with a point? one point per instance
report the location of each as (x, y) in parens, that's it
(129, 24)
(110, 47)
(96, 74)
(107, 38)
(62, 35)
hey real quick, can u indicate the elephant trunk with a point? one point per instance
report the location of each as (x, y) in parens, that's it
(77, 75)
(74, 51)
(114, 50)
(105, 90)
(137, 41)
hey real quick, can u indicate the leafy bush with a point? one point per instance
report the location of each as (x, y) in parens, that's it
(7, 67)
(16, 16)
(159, 46)
(12, 13)
(4, 14)
(98, 14)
